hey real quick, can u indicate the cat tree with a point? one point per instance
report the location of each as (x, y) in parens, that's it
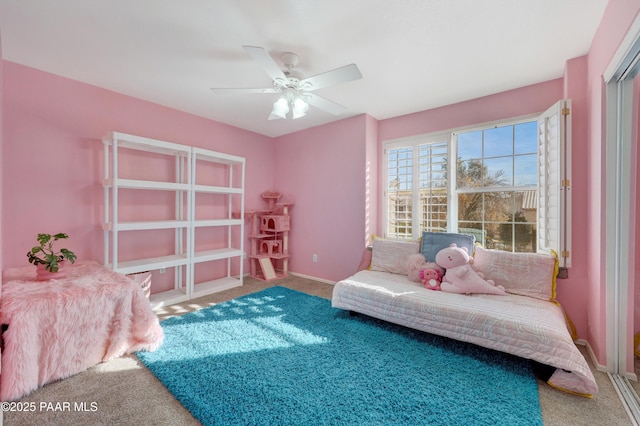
(269, 256)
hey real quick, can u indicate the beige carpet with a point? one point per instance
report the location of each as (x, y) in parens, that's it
(123, 392)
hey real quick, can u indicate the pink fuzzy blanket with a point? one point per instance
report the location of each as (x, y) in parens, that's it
(61, 327)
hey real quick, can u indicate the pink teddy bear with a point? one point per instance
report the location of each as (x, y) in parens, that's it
(416, 263)
(431, 278)
(459, 276)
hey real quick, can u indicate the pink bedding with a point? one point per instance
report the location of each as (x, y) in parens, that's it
(519, 325)
(62, 327)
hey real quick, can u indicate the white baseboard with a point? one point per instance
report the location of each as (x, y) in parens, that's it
(592, 356)
(600, 367)
(309, 277)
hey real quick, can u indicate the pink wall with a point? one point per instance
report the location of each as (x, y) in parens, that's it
(52, 164)
(514, 103)
(571, 291)
(325, 170)
(615, 23)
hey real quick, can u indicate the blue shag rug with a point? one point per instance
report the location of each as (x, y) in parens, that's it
(282, 357)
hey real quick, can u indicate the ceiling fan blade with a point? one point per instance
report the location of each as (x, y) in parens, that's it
(225, 91)
(324, 104)
(266, 62)
(329, 78)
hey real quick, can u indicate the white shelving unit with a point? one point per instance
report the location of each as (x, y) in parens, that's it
(186, 162)
(229, 169)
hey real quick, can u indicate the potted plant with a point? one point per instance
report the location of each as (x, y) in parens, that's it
(46, 258)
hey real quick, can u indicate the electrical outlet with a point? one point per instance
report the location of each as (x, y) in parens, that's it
(315, 258)
(163, 270)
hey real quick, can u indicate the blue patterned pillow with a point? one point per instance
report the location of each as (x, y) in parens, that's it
(433, 242)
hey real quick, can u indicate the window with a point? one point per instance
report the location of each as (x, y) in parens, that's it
(400, 192)
(497, 179)
(510, 189)
(426, 164)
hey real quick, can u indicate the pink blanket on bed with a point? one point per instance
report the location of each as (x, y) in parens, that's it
(61, 327)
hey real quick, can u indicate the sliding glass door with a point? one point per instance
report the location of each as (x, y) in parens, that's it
(622, 231)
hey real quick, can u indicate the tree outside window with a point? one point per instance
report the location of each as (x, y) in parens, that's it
(497, 186)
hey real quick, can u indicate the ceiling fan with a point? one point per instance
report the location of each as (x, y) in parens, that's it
(296, 93)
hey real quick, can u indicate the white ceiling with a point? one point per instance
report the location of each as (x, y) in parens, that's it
(414, 54)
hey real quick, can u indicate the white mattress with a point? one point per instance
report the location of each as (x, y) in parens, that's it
(519, 325)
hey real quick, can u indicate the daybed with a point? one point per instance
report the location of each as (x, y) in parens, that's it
(529, 324)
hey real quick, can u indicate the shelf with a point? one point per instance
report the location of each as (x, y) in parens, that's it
(214, 286)
(145, 184)
(151, 264)
(217, 222)
(269, 256)
(216, 157)
(182, 181)
(260, 236)
(147, 144)
(141, 226)
(278, 256)
(216, 189)
(217, 254)
(168, 297)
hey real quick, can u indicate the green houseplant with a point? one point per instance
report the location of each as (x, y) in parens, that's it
(46, 255)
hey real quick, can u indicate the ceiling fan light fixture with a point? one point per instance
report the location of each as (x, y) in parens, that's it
(280, 108)
(299, 106)
(296, 91)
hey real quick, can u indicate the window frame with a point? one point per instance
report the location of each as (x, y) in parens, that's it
(450, 136)
(412, 142)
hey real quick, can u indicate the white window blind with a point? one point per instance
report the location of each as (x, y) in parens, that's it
(400, 193)
(417, 186)
(433, 186)
(554, 181)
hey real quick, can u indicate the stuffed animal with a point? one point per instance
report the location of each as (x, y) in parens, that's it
(460, 276)
(431, 278)
(417, 263)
